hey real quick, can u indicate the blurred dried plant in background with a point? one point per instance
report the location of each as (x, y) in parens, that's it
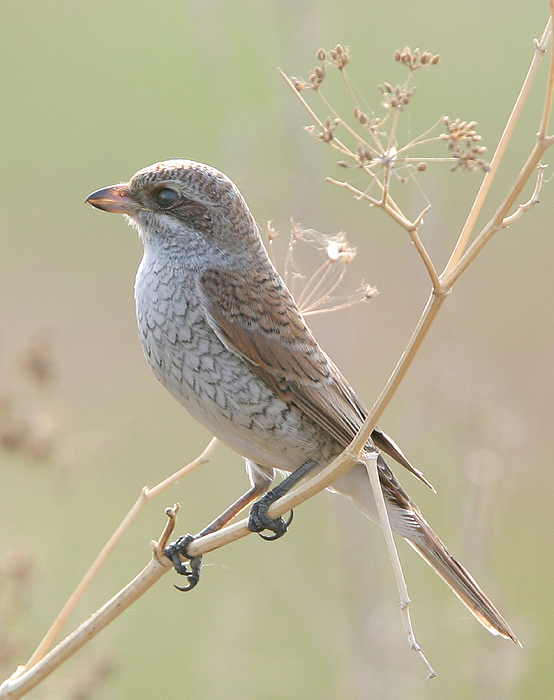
(29, 421)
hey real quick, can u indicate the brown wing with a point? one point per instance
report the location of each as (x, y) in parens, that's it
(260, 321)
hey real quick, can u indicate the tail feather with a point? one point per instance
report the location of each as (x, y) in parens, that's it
(406, 520)
(429, 546)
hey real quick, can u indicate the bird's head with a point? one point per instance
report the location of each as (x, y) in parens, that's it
(177, 202)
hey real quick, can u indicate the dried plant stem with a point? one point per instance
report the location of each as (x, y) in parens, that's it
(24, 680)
(550, 88)
(372, 470)
(347, 126)
(315, 284)
(497, 221)
(475, 210)
(145, 496)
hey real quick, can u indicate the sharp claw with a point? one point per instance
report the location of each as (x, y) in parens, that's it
(259, 520)
(193, 576)
(269, 538)
(280, 526)
(173, 552)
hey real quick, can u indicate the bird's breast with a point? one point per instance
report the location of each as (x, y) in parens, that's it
(215, 385)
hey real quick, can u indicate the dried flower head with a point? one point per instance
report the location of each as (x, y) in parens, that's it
(300, 84)
(270, 232)
(316, 291)
(416, 59)
(316, 78)
(461, 137)
(328, 128)
(377, 147)
(396, 97)
(460, 131)
(371, 123)
(340, 56)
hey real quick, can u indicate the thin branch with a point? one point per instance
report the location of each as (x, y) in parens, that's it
(396, 214)
(410, 226)
(550, 88)
(372, 470)
(533, 199)
(22, 682)
(424, 255)
(145, 496)
(477, 205)
(495, 224)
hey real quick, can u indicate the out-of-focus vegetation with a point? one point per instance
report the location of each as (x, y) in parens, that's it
(91, 93)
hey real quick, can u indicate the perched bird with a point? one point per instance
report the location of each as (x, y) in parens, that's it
(223, 334)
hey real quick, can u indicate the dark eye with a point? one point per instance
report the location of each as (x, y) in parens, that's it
(166, 197)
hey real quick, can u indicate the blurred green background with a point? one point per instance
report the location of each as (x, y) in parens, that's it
(91, 92)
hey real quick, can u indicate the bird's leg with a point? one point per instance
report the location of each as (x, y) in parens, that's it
(227, 515)
(259, 519)
(174, 550)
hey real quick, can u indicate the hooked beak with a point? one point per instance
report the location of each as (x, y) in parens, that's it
(116, 199)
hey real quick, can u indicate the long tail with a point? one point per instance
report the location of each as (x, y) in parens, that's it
(462, 583)
(406, 519)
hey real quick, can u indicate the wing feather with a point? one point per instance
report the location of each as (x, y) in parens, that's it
(261, 323)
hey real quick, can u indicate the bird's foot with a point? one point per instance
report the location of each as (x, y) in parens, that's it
(259, 520)
(173, 552)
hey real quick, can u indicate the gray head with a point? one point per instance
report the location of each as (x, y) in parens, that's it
(184, 206)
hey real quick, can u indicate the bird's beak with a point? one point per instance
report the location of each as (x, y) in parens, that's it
(116, 199)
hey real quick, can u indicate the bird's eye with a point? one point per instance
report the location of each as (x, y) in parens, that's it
(166, 197)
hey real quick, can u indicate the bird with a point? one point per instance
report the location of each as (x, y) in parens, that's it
(224, 335)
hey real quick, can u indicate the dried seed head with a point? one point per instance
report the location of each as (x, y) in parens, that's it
(459, 131)
(396, 97)
(328, 130)
(421, 167)
(369, 291)
(340, 56)
(466, 157)
(321, 55)
(300, 84)
(333, 251)
(416, 59)
(364, 154)
(316, 78)
(338, 248)
(270, 232)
